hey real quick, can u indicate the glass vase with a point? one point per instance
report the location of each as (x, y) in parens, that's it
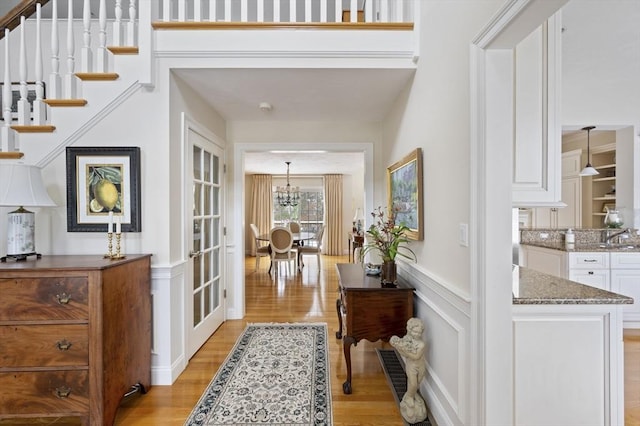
(388, 272)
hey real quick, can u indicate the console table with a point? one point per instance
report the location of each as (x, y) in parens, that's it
(75, 337)
(366, 310)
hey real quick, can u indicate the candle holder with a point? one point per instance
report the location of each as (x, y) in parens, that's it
(118, 255)
(109, 254)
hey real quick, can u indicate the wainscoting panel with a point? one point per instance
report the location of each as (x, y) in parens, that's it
(445, 312)
(167, 357)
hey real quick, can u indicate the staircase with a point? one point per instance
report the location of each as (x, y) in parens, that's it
(54, 102)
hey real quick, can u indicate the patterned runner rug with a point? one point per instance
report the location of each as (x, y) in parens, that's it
(276, 374)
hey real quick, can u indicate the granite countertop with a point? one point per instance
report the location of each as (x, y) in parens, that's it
(584, 247)
(536, 288)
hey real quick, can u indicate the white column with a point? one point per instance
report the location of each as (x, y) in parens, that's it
(86, 59)
(39, 107)
(118, 30)
(102, 63)
(8, 136)
(24, 109)
(55, 81)
(71, 89)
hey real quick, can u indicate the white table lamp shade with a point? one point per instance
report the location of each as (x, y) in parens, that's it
(21, 185)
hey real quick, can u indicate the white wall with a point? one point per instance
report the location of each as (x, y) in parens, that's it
(433, 114)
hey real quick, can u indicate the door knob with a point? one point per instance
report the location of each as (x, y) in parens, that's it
(195, 253)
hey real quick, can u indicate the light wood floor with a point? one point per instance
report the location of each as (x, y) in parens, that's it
(310, 297)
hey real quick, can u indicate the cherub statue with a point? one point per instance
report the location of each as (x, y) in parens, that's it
(411, 347)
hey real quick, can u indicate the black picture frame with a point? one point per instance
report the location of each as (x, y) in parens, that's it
(113, 169)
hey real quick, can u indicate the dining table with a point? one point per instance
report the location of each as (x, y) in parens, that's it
(298, 237)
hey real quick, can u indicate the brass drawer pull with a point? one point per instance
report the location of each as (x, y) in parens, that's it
(63, 392)
(63, 298)
(63, 345)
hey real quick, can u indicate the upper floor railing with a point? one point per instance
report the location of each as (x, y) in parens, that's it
(286, 11)
(57, 50)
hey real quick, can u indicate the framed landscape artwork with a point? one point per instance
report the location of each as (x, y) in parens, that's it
(404, 186)
(100, 180)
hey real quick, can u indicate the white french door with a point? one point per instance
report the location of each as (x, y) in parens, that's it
(205, 281)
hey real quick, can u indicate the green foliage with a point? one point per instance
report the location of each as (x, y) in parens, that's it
(387, 238)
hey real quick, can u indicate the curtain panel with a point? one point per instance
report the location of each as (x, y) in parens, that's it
(261, 206)
(334, 233)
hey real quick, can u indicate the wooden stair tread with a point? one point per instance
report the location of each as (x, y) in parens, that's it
(34, 129)
(65, 102)
(12, 155)
(97, 76)
(123, 50)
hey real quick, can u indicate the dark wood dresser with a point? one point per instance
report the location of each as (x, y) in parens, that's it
(366, 310)
(75, 336)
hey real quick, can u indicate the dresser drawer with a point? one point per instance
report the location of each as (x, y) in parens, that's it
(44, 393)
(44, 345)
(54, 298)
(595, 260)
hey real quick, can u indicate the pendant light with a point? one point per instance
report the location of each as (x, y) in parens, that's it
(589, 170)
(288, 196)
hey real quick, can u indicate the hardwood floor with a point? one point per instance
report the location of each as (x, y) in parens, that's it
(310, 296)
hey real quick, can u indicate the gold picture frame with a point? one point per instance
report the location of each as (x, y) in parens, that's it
(404, 188)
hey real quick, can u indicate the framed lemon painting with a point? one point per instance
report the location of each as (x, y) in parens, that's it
(100, 181)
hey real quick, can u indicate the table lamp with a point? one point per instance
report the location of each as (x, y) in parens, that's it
(21, 185)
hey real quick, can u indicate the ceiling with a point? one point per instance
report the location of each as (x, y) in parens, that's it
(319, 95)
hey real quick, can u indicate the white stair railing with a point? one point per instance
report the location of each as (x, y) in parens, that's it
(30, 108)
(314, 11)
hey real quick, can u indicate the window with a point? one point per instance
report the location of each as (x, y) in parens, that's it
(309, 212)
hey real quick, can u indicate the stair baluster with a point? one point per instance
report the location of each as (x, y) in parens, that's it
(39, 107)
(24, 108)
(86, 59)
(55, 80)
(103, 58)
(8, 135)
(71, 88)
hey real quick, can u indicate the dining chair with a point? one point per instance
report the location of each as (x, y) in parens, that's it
(294, 227)
(312, 248)
(261, 250)
(281, 242)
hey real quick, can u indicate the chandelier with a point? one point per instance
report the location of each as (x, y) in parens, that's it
(287, 195)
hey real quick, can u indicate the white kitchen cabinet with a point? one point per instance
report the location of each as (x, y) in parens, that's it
(625, 279)
(590, 268)
(568, 364)
(537, 143)
(569, 216)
